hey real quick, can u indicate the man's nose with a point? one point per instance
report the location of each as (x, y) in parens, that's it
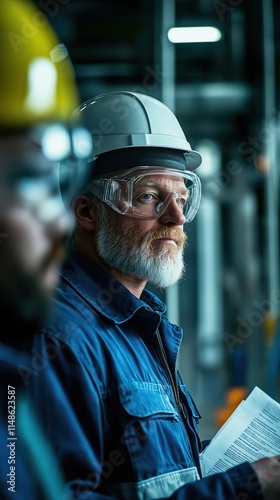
(173, 213)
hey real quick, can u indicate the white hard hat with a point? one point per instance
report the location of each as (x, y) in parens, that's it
(130, 129)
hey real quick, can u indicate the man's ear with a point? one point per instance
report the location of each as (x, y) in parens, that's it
(84, 212)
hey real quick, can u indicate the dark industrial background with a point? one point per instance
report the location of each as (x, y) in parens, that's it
(226, 97)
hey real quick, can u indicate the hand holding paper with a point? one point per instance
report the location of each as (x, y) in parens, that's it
(252, 432)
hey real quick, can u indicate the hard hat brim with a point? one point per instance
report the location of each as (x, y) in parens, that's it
(121, 159)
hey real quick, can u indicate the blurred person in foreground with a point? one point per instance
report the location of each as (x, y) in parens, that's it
(127, 426)
(42, 157)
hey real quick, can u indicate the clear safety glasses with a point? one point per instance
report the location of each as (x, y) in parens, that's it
(147, 195)
(44, 179)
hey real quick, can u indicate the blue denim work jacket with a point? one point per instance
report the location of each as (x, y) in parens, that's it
(111, 401)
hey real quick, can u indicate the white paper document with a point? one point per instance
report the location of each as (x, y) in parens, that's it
(251, 432)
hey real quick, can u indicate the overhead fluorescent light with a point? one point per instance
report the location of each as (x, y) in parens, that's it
(195, 34)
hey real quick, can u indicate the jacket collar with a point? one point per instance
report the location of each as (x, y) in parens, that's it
(105, 293)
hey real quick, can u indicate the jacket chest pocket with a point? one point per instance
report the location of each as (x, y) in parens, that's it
(153, 432)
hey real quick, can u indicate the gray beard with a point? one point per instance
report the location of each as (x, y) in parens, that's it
(122, 252)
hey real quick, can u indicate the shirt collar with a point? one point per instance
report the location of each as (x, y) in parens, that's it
(105, 293)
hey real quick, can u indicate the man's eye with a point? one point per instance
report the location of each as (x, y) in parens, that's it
(146, 197)
(182, 202)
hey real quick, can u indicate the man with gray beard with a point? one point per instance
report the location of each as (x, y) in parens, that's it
(114, 406)
(155, 251)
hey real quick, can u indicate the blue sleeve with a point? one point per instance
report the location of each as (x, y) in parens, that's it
(237, 483)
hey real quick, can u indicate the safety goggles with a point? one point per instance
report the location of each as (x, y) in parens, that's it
(147, 195)
(45, 179)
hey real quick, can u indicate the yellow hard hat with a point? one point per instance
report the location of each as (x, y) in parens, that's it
(37, 80)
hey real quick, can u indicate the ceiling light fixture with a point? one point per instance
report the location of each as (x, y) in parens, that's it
(195, 34)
